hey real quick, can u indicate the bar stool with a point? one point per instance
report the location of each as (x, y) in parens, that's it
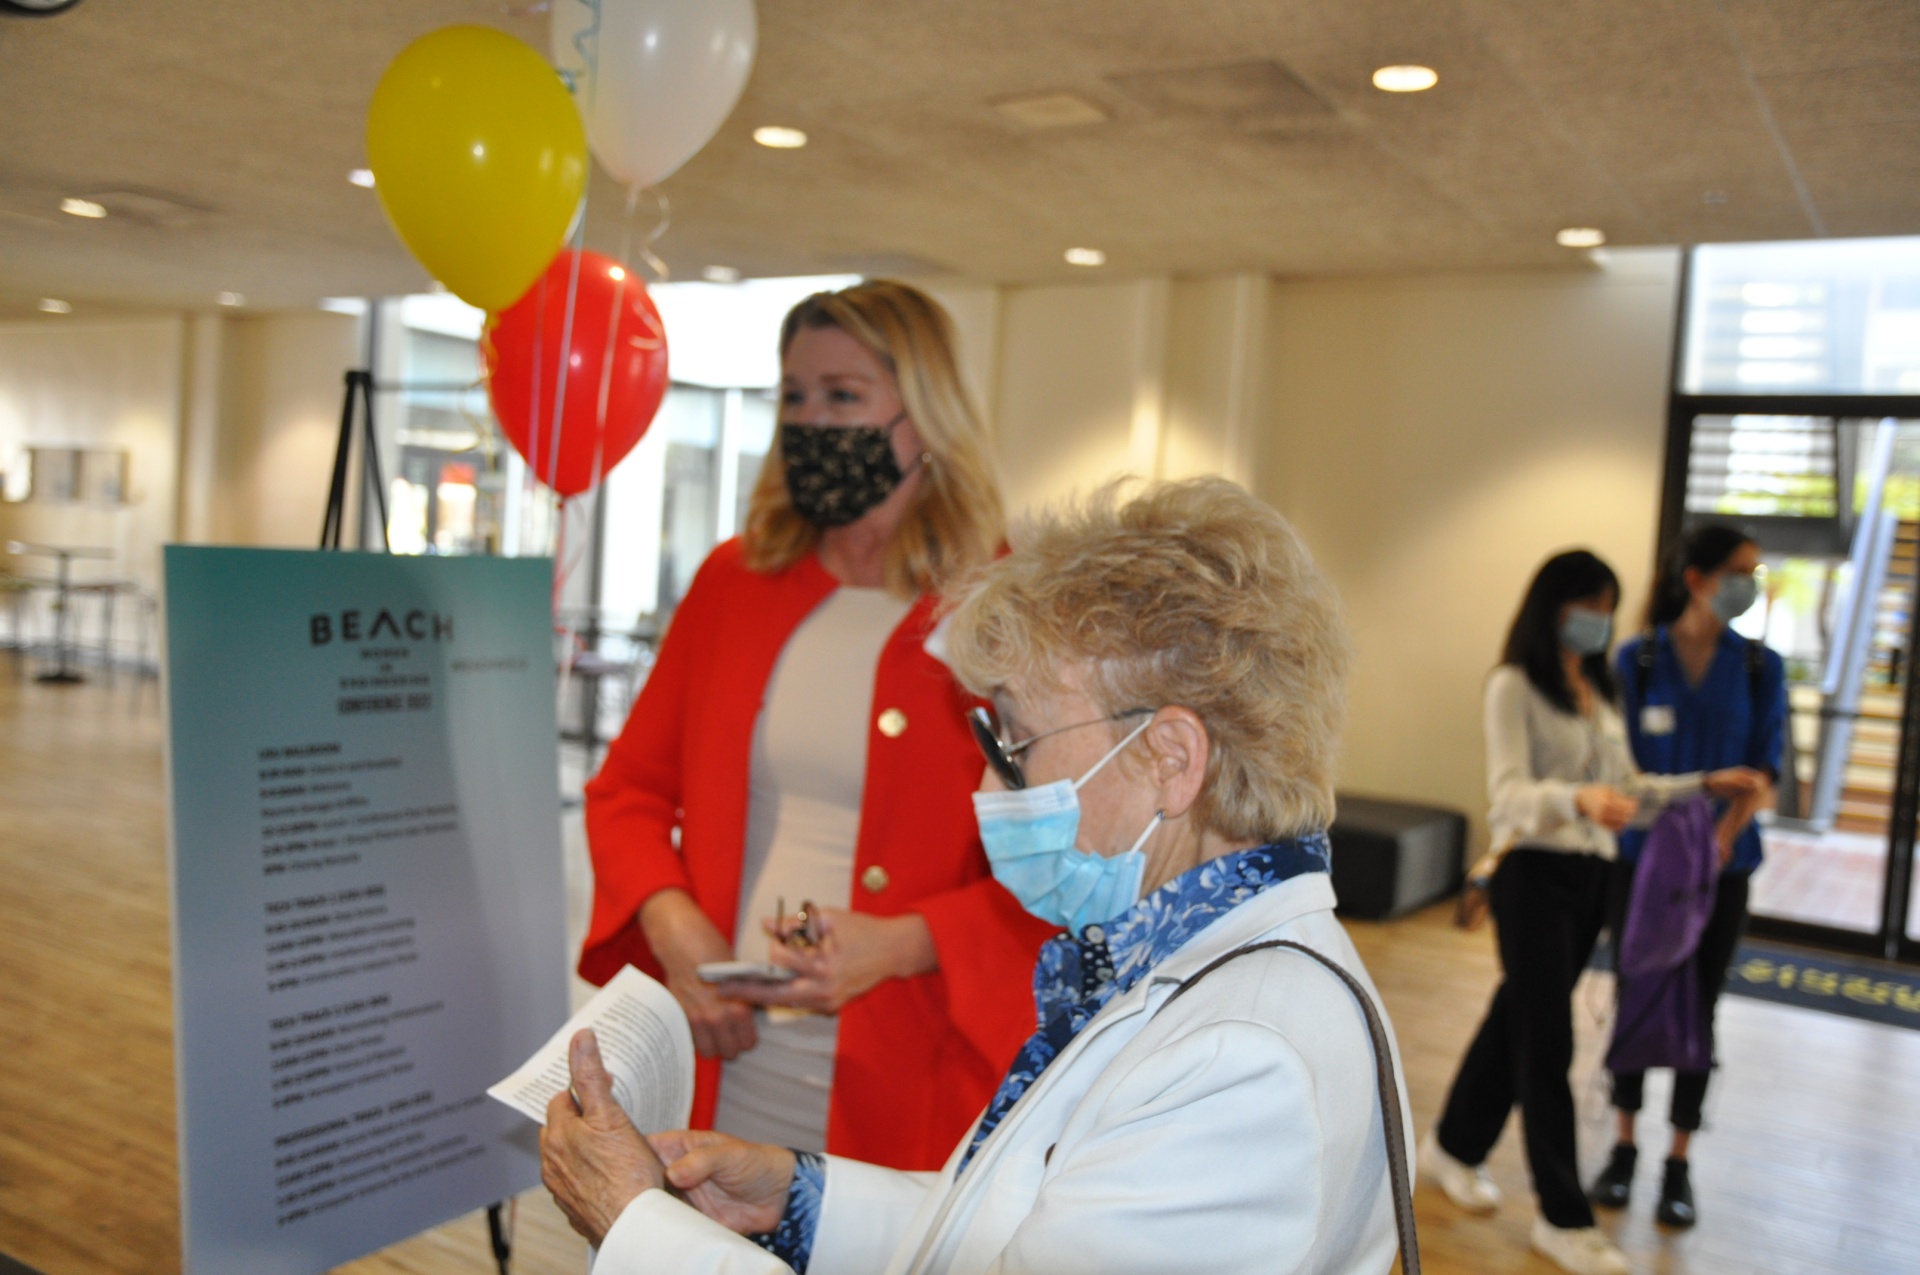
(18, 591)
(106, 591)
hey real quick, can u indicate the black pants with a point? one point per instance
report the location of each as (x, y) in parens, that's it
(1711, 961)
(1548, 908)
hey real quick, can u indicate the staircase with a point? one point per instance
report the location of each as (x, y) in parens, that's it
(1866, 797)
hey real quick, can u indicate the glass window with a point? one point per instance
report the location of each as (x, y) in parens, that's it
(1763, 466)
(451, 472)
(1832, 316)
(690, 418)
(689, 483)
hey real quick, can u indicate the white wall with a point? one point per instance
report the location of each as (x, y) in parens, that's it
(1214, 415)
(230, 422)
(280, 394)
(1434, 439)
(975, 310)
(1081, 385)
(94, 383)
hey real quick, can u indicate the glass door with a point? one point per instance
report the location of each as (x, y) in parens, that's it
(1796, 415)
(1835, 505)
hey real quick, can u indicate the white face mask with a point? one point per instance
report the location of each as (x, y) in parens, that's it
(1030, 835)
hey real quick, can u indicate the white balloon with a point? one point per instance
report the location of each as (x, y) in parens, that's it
(655, 79)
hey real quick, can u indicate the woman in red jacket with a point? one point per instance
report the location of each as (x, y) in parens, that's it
(799, 739)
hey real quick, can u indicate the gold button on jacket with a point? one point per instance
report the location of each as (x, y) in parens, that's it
(893, 723)
(875, 879)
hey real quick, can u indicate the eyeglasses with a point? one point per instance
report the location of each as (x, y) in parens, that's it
(1003, 757)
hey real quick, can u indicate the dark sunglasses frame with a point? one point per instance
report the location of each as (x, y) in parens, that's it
(1004, 757)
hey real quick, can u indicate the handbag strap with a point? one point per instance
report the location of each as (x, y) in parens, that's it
(1397, 1164)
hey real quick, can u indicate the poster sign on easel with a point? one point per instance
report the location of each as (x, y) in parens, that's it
(368, 909)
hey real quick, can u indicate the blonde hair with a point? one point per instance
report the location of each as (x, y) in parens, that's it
(1193, 594)
(957, 521)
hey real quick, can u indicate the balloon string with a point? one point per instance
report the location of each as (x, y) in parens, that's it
(529, 481)
(565, 563)
(586, 42)
(610, 349)
(559, 551)
(552, 476)
(663, 218)
(560, 626)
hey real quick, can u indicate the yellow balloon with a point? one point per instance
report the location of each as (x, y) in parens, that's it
(479, 158)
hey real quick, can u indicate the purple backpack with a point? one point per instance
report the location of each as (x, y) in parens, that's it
(1658, 1022)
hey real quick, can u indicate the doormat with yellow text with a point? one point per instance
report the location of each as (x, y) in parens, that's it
(1873, 990)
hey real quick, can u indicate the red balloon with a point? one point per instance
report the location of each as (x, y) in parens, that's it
(615, 373)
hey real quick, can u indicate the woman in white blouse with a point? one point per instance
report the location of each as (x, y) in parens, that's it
(1562, 781)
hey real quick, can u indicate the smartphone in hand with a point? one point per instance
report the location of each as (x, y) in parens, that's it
(743, 972)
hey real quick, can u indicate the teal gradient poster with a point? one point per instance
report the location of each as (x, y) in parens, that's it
(368, 906)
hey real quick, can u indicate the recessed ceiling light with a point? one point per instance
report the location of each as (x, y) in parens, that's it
(1580, 237)
(233, 298)
(779, 138)
(362, 177)
(1086, 257)
(720, 274)
(53, 305)
(1405, 79)
(83, 208)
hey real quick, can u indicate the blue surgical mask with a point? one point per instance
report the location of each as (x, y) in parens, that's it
(1029, 834)
(1735, 596)
(1586, 632)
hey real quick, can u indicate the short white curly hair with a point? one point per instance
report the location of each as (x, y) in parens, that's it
(1194, 594)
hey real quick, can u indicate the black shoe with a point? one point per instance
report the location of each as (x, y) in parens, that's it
(1615, 1183)
(1676, 1197)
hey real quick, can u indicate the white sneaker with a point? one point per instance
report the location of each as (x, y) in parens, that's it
(1468, 1185)
(1583, 1250)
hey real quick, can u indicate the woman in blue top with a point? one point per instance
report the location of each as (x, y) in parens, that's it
(1697, 696)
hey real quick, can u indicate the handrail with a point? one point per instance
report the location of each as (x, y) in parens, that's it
(1852, 645)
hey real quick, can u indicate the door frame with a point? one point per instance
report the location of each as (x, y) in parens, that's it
(1898, 883)
(1892, 940)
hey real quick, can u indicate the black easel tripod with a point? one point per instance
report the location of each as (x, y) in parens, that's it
(359, 389)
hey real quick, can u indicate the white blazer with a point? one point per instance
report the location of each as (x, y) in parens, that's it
(1239, 1130)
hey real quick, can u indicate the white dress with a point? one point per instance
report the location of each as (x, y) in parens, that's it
(807, 775)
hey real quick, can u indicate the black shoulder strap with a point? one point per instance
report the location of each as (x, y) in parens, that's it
(1390, 1114)
(1756, 669)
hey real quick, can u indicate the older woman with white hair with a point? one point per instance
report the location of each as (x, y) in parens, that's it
(1210, 1084)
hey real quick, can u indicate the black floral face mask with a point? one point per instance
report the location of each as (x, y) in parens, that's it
(837, 473)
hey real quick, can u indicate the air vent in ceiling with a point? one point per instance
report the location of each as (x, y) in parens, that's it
(1245, 95)
(150, 207)
(1050, 110)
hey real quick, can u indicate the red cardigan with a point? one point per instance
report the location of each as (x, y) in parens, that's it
(917, 1058)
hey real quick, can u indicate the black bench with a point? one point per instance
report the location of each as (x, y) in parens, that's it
(1390, 857)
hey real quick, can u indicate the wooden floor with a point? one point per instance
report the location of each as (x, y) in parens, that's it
(1811, 1163)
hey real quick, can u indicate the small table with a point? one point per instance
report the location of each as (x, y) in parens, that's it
(63, 673)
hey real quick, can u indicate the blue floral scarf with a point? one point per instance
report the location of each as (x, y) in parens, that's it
(1077, 976)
